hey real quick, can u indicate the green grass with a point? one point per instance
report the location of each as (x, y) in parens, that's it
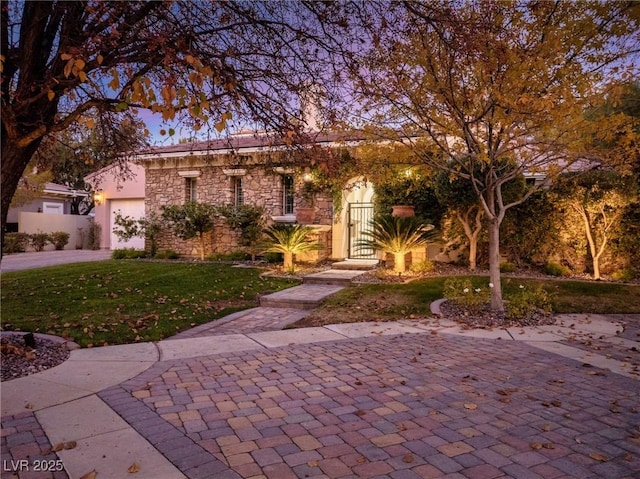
(373, 302)
(119, 302)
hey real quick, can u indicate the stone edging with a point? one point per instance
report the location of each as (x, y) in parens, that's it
(70, 345)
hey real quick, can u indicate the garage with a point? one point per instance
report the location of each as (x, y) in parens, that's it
(133, 208)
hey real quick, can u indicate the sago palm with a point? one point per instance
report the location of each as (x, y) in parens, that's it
(289, 240)
(397, 236)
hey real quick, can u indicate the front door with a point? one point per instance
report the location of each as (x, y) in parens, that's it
(360, 216)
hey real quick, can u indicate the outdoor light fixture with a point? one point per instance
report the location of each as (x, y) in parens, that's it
(307, 177)
(97, 198)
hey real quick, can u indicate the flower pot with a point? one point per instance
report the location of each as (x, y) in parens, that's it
(305, 216)
(403, 211)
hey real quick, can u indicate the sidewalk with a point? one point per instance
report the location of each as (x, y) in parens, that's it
(414, 398)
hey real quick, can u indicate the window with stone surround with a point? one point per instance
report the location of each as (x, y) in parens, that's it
(287, 194)
(191, 189)
(238, 191)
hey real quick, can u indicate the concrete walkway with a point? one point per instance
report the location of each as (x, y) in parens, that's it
(20, 261)
(414, 398)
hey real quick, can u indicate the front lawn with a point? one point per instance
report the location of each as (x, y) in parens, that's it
(387, 302)
(119, 302)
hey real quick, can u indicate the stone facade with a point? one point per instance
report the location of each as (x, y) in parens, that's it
(169, 182)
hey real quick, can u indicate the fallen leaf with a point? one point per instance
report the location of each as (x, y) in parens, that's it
(312, 463)
(598, 457)
(402, 427)
(90, 475)
(548, 445)
(133, 468)
(408, 458)
(470, 405)
(361, 460)
(58, 447)
(546, 427)
(70, 445)
(535, 445)
(28, 406)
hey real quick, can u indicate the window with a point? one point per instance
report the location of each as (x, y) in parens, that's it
(238, 192)
(287, 195)
(191, 188)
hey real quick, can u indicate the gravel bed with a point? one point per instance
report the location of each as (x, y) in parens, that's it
(19, 361)
(485, 318)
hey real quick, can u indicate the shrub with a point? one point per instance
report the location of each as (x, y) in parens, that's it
(233, 256)
(128, 253)
(39, 240)
(289, 240)
(398, 236)
(463, 292)
(626, 274)
(528, 301)
(424, 266)
(60, 239)
(507, 267)
(273, 257)
(556, 269)
(167, 254)
(93, 235)
(15, 243)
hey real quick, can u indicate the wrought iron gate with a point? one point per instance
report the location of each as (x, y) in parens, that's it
(360, 216)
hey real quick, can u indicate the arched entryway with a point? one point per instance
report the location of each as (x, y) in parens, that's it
(355, 217)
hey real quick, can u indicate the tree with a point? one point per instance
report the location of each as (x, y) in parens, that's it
(76, 152)
(191, 220)
(68, 62)
(501, 85)
(457, 194)
(598, 199)
(249, 220)
(148, 227)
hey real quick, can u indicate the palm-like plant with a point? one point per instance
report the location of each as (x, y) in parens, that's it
(289, 240)
(397, 236)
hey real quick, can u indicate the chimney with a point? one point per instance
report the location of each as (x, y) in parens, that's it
(311, 101)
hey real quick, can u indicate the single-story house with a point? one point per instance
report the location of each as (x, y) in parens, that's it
(118, 188)
(251, 168)
(49, 212)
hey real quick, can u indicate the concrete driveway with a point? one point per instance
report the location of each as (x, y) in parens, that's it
(20, 261)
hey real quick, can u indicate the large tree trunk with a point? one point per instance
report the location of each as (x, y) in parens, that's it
(14, 161)
(497, 304)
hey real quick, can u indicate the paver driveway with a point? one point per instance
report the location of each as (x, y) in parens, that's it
(419, 405)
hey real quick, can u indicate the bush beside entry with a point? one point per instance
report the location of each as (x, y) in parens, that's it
(289, 240)
(397, 235)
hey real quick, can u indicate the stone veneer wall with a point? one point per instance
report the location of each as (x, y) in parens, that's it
(262, 186)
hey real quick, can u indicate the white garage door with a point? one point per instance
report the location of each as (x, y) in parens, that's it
(131, 208)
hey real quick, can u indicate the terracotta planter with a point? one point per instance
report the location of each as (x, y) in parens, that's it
(305, 216)
(403, 211)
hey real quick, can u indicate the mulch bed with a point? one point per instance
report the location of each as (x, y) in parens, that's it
(485, 318)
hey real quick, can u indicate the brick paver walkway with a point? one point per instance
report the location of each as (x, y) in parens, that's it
(409, 406)
(26, 451)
